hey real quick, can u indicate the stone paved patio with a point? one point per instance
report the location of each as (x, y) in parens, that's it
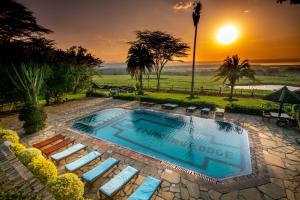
(275, 157)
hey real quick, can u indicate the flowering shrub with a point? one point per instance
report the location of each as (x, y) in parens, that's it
(67, 187)
(28, 155)
(17, 148)
(43, 169)
(9, 135)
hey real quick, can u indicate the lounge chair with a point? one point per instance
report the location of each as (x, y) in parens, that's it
(115, 184)
(71, 150)
(48, 141)
(145, 103)
(169, 105)
(98, 171)
(219, 112)
(57, 146)
(205, 111)
(73, 166)
(146, 190)
(191, 108)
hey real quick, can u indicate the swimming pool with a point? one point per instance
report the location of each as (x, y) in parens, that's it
(214, 148)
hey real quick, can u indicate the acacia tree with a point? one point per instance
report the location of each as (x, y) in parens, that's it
(163, 47)
(232, 70)
(139, 62)
(196, 18)
(18, 23)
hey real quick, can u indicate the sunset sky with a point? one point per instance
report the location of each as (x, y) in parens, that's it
(267, 30)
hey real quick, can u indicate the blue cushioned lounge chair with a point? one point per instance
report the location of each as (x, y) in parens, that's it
(169, 105)
(115, 184)
(73, 166)
(69, 151)
(98, 171)
(146, 190)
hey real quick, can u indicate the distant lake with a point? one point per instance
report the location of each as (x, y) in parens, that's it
(265, 87)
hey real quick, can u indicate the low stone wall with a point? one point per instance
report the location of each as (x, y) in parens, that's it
(15, 176)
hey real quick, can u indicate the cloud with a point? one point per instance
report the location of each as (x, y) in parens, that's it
(246, 11)
(182, 5)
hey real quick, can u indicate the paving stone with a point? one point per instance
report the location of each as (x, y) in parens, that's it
(290, 185)
(273, 160)
(230, 196)
(193, 188)
(171, 176)
(268, 143)
(292, 157)
(251, 193)
(167, 195)
(184, 193)
(214, 194)
(272, 190)
(290, 195)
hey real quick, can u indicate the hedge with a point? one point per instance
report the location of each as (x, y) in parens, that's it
(17, 148)
(28, 155)
(9, 135)
(161, 101)
(67, 187)
(43, 169)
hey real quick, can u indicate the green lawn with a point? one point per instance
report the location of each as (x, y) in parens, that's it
(184, 82)
(219, 101)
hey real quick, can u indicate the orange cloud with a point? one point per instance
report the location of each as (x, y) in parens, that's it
(182, 5)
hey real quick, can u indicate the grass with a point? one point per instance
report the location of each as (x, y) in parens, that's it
(184, 82)
(219, 101)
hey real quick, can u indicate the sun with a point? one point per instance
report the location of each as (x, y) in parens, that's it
(227, 34)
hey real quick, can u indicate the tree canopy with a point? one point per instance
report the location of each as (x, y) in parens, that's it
(163, 47)
(18, 23)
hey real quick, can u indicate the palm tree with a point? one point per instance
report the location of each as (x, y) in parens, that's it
(196, 18)
(139, 61)
(232, 70)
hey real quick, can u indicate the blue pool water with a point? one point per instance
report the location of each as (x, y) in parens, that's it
(214, 148)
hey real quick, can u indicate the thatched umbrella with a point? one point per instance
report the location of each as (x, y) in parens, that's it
(284, 95)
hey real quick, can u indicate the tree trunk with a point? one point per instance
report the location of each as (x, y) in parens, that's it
(141, 83)
(194, 54)
(231, 91)
(158, 81)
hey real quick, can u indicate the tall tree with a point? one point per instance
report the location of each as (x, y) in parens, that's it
(196, 18)
(17, 22)
(139, 62)
(232, 70)
(163, 47)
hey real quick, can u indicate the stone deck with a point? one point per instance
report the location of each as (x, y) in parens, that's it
(275, 157)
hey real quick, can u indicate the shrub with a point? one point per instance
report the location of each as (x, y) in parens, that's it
(17, 148)
(34, 118)
(43, 169)
(28, 155)
(9, 135)
(243, 109)
(166, 100)
(67, 187)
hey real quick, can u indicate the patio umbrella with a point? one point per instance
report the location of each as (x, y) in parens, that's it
(284, 95)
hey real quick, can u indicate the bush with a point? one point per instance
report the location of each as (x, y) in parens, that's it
(9, 135)
(17, 148)
(243, 109)
(166, 100)
(43, 169)
(28, 155)
(67, 187)
(34, 118)
(96, 94)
